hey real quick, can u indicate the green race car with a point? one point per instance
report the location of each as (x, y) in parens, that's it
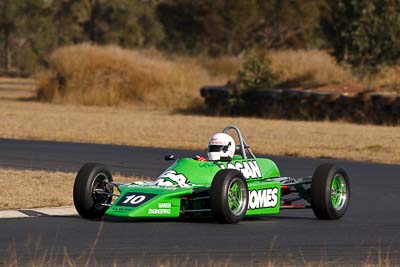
(230, 185)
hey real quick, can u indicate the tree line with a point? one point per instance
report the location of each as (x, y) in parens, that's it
(360, 32)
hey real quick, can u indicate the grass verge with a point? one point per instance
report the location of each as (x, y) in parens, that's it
(35, 189)
(162, 128)
(47, 257)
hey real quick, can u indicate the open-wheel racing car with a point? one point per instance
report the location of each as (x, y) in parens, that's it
(231, 184)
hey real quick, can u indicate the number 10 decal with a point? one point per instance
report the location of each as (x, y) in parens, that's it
(134, 199)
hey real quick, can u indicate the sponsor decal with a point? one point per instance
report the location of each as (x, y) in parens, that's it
(249, 169)
(133, 199)
(215, 141)
(163, 208)
(206, 165)
(172, 178)
(121, 209)
(263, 198)
(164, 205)
(150, 185)
(159, 211)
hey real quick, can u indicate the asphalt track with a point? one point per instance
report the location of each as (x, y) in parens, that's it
(370, 229)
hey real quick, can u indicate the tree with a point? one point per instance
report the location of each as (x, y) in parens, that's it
(66, 20)
(364, 33)
(25, 28)
(236, 20)
(8, 27)
(289, 23)
(37, 35)
(183, 28)
(128, 23)
(232, 26)
(220, 26)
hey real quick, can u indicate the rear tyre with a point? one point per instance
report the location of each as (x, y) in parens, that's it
(229, 196)
(330, 192)
(91, 180)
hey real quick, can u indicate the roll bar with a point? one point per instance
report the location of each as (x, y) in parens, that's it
(242, 143)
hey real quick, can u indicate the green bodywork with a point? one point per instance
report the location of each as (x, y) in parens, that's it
(163, 197)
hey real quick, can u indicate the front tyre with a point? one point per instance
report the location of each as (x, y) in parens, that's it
(330, 192)
(229, 196)
(92, 190)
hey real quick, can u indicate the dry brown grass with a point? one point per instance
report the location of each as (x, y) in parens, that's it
(308, 68)
(388, 79)
(17, 88)
(316, 68)
(161, 128)
(44, 259)
(33, 189)
(108, 75)
(224, 67)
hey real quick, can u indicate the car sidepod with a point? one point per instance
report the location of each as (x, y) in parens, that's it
(264, 197)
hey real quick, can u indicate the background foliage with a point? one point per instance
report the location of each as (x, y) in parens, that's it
(31, 29)
(362, 33)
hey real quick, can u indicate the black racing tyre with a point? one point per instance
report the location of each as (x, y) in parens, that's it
(229, 196)
(88, 202)
(330, 192)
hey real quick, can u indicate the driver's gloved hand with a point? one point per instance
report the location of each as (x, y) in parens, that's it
(200, 158)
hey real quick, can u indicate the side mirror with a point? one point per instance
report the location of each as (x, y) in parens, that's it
(169, 157)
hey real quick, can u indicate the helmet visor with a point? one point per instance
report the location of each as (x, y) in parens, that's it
(217, 148)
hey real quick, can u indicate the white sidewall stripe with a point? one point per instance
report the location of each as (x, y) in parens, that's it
(38, 212)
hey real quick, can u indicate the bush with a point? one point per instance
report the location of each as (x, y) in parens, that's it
(109, 75)
(286, 69)
(256, 73)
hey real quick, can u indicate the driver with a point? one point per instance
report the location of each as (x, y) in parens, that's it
(221, 146)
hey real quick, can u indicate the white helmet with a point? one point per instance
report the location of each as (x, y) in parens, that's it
(221, 146)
